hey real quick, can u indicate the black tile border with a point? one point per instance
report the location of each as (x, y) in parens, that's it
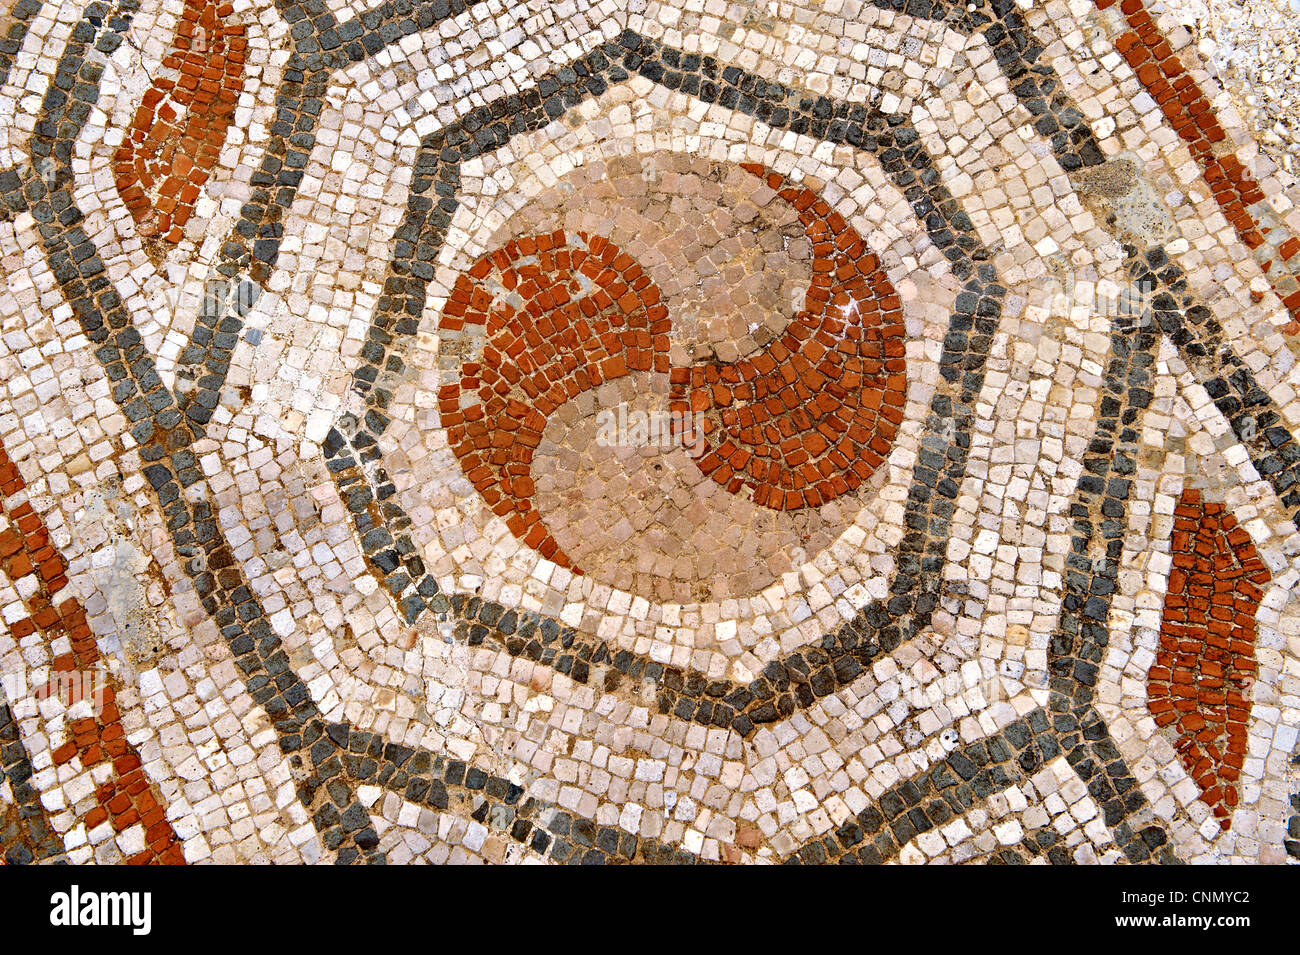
(29, 837)
(353, 453)
(947, 789)
(1070, 725)
(321, 46)
(22, 12)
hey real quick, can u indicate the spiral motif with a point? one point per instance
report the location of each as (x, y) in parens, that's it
(807, 419)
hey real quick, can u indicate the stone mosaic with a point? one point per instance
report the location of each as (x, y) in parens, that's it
(1200, 680)
(668, 432)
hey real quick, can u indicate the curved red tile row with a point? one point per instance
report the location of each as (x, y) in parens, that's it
(1200, 682)
(560, 320)
(813, 414)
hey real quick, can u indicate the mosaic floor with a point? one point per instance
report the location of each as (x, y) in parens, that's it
(676, 431)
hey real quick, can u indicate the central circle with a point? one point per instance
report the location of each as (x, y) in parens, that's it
(687, 447)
